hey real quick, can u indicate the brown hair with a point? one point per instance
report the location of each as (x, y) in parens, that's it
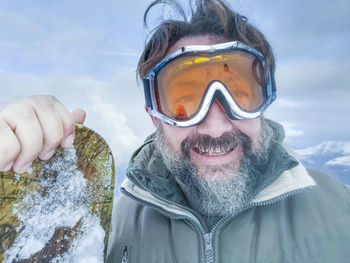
(208, 17)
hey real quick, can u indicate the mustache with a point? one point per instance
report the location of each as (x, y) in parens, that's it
(227, 141)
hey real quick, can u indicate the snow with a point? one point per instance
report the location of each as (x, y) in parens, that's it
(89, 247)
(328, 147)
(339, 161)
(336, 153)
(62, 202)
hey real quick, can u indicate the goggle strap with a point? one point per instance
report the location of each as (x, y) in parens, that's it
(147, 92)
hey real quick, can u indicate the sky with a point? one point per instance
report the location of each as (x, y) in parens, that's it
(85, 53)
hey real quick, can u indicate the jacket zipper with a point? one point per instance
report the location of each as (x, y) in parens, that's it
(125, 258)
(209, 250)
(208, 236)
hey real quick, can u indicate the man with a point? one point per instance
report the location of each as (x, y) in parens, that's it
(215, 182)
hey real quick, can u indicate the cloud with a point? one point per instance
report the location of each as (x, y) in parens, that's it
(329, 153)
(284, 103)
(122, 138)
(306, 76)
(290, 129)
(343, 161)
(313, 94)
(297, 27)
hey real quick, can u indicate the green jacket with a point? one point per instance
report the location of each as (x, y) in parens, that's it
(296, 216)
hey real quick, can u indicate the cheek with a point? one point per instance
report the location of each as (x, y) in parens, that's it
(176, 135)
(251, 128)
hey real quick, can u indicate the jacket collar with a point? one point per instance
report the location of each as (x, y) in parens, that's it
(148, 179)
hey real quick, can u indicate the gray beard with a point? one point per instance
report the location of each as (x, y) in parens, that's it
(224, 191)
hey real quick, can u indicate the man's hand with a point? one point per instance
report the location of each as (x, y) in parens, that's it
(33, 127)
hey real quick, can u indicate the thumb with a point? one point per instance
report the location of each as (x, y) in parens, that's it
(79, 116)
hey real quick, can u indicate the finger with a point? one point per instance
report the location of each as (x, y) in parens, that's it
(9, 146)
(22, 120)
(50, 123)
(79, 116)
(30, 137)
(69, 120)
(53, 134)
(68, 123)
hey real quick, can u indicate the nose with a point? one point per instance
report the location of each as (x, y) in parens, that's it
(216, 122)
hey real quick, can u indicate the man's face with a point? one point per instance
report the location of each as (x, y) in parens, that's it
(215, 161)
(214, 125)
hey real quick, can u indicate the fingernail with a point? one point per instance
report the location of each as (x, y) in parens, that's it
(68, 141)
(24, 168)
(48, 155)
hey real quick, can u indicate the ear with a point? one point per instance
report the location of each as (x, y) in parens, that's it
(154, 119)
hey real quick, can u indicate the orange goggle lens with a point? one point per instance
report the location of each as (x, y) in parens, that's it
(182, 83)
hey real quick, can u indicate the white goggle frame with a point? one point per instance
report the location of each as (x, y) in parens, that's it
(215, 89)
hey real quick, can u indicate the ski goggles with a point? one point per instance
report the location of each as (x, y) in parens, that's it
(180, 89)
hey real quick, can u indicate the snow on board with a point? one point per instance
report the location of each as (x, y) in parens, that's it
(59, 209)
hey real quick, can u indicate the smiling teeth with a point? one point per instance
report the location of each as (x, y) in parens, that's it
(213, 152)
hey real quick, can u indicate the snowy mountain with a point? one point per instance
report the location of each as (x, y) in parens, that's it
(331, 157)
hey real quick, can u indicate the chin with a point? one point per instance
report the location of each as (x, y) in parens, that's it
(222, 172)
